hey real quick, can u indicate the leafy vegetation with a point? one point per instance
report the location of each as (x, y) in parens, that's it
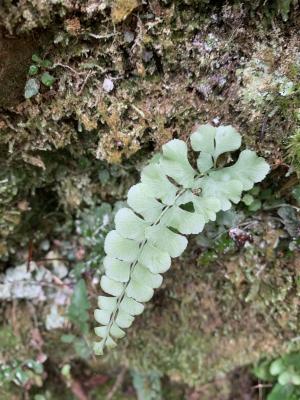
(39, 70)
(139, 249)
(284, 373)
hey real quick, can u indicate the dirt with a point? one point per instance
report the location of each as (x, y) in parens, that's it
(15, 59)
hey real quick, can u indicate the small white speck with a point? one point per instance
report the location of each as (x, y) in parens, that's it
(108, 85)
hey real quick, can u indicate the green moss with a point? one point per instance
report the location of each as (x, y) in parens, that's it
(294, 150)
(9, 342)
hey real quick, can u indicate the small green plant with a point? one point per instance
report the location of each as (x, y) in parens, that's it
(284, 372)
(21, 372)
(78, 310)
(172, 200)
(79, 316)
(38, 71)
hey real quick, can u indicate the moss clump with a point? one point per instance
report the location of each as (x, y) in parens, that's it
(294, 150)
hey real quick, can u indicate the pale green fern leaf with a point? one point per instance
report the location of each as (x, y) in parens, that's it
(172, 200)
(157, 184)
(116, 269)
(132, 306)
(226, 191)
(205, 162)
(157, 260)
(183, 221)
(140, 201)
(129, 225)
(175, 164)
(139, 291)
(212, 142)
(107, 303)
(120, 247)
(248, 169)
(163, 238)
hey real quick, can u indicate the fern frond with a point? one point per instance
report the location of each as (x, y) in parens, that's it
(153, 228)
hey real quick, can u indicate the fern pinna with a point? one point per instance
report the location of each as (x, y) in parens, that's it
(153, 227)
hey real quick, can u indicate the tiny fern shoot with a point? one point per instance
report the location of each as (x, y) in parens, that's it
(153, 227)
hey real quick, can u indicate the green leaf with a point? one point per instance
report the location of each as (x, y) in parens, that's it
(39, 397)
(277, 367)
(158, 185)
(116, 269)
(214, 142)
(111, 286)
(262, 371)
(124, 320)
(35, 366)
(46, 63)
(107, 303)
(47, 79)
(33, 70)
(222, 188)
(205, 206)
(203, 139)
(204, 162)
(184, 221)
(247, 199)
(164, 239)
(132, 306)
(121, 248)
(115, 331)
(22, 376)
(129, 225)
(157, 260)
(142, 275)
(285, 377)
(280, 392)
(143, 204)
(139, 291)
(175, 164)
(78, 309)
(248, 169)
(296, 379)
(255, 205)
(226, 139)
(110, 343)
(102, 316)
(36, 59)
